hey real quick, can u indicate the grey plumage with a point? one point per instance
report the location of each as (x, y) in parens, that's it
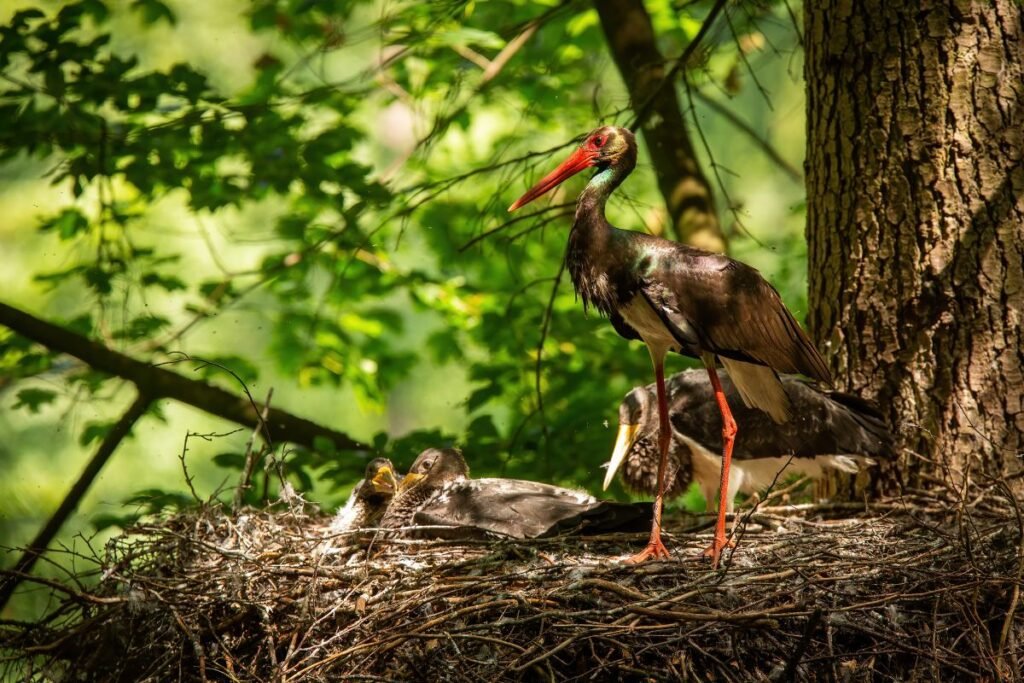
(826, 430)
(438, 492)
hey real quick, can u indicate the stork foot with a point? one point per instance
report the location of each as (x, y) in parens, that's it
(715, 550)
(655, 550)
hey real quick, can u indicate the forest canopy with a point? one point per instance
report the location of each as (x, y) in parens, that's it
(309, 199)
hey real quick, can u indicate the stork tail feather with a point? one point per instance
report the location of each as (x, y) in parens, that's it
(760, 388)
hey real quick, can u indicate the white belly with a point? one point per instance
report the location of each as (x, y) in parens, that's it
(642, 318)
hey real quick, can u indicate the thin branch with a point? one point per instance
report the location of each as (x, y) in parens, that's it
(729, 115)
(715, 167)
(74, 496)
(545, 325)
(160, 383)
(645, 109)
(796, 22)
(512, 221)
(250, 453)
(746, 63)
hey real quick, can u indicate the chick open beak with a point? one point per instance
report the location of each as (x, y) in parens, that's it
(623, 442)
(384, 480)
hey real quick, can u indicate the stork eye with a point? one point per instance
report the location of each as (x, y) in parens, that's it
(599, 140)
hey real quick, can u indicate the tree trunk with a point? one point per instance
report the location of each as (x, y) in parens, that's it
(915, 210)
(631, 40)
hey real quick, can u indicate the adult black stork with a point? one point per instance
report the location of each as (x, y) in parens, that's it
(678, 298)
(828, 430)
(369, 499)
(438, 496)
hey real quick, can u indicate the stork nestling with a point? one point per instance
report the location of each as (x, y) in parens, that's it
(369, 499)
(678, 298)
(828, 430)
(438, 496)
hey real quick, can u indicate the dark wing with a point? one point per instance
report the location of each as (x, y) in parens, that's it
(731, 309)
(869, 433)
(822, 423)
(523, 509)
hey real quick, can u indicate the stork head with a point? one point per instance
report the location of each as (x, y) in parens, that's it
(638, 415)
(604, 147)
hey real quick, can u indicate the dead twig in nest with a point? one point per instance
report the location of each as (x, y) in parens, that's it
(906, 589)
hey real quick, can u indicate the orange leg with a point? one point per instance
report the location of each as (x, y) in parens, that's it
(728, 437)
(655, 548)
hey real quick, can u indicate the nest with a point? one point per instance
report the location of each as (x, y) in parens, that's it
(924, 587)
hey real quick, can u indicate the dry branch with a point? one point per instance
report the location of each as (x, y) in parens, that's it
(38, 546)
(160, 383)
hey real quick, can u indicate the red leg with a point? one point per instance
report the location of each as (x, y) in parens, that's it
(655, 548)
(728, 436)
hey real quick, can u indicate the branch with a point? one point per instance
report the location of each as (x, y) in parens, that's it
(729, 115)
(159, 383)
(686, 191)
(39, 544)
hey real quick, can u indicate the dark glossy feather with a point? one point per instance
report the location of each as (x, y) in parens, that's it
(441, 494)
(823, 424)
(709, 302)
(725, 307)
(524, 509)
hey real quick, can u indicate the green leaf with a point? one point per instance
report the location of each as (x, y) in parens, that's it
(34, 399)
(153, 11)
(107, 520)
(169, 283)
(157, 500)
(67, 224)
(231, 461)
(482, 395)
(94, 431)
(470, 36)
(142, 327)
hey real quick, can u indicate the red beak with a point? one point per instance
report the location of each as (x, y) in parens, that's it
(577, 161)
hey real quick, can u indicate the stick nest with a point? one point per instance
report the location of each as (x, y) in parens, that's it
(924, 587)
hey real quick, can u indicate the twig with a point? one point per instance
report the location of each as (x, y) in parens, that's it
(250, 453)
(74, 496)
(644, 110)
(545, 324)
(729, 115)
(789, 673)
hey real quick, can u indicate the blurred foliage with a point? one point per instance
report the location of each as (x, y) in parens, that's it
(320, 204)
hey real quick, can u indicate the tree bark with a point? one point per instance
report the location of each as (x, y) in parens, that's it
(691, 208)
(915, 207)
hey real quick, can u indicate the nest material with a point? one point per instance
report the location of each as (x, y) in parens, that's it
(920, 588)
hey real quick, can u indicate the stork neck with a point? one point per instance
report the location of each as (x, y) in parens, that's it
(597, 191)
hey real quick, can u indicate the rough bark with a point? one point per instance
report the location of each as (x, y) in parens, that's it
(915, 212)
(631, 39)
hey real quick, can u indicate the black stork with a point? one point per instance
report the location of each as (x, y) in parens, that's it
(369, 499)
(828, 430)
(675, 297)
(439, 497)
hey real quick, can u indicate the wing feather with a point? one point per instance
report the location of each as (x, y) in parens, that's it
(523, 509)
(734, 312)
